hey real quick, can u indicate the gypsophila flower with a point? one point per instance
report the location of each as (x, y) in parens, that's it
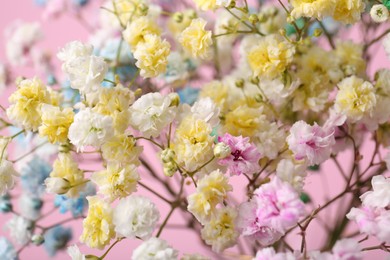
(74, 253)
(379, 13)
(154, 249)
(33, 175)
(90, 129)
(151, 113)
(19, 229)
(269, 253)
(310, 142)
(7, 250)
(56, 239)
(380, 195)
(196, 40)
(7, 176)
(135, 216)
(243, 158)
(30, 206)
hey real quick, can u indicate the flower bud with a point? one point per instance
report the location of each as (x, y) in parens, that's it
(92, 257)
(37, 239)
(255, 80)
(169, 169)
(178, 17)
(379, 13)
(175, 99)
(232, 4)
(317, 32)
(240, 83)
(57, 185)
(253, 19)
(167, 155)
(222, 150)
(143, 9)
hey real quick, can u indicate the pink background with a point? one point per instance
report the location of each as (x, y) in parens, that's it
(65, 29)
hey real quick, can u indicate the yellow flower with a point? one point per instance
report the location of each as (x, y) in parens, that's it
(177, 25)
(127, 9)
(26, 102)
(98, 228)
(217, 91)
(55, 97)
(65, 167)
(312, 8)
(350, 55)
(117, 181)
(121, 149)
(136, 30)
(114, 102)
(196, 40)
(243, 119)
(55, 123)
(151, 56)
(193, 143)
(349, 11)
(270, 56)
(356, 98)
(206, 5)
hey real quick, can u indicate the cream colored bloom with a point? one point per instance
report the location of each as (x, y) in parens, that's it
(151, 56)
(136, 30)
(121, 149)
(217, 91)
(356, 98)
(7, 176)
(193, 143)
(206, 5)
(26, 102)
(66, 168)
(312, 8)
(379, 13)
(116, 181)
(98, 228)
(196, 40)
(270, 56)
(220, 232)
(55, 123)
(349, 11)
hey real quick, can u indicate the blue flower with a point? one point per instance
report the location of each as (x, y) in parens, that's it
(80, 2)
(5, 203)
(7, 250)
(75, 206)
(56, 239)
(188, 95)
(34, 174)
(71, 96)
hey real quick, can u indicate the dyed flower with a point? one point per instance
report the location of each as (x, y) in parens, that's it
(379, 13)
(317, 9)
(220, 232)
(33, 175)
(196, 40)
(136, 31)
(206, 5)
(98, 228)
(30, 206)
(274, 208)
(90, 128)
(269, 253)
(151, 113)
(116, 181)
(206, 110)
(151, 56)
(380, 195)
(349, 11)
(55, 123)
(293, 172)
(56, 239)
(73, 50)
(7, 250)
(270, 56)
(355, 98)
(244, 157)
(154, 249)
(26, 102)
(347, 249)
(7, 176)
(121, 149)
(74, 253)
(310, 142)
(135, 216)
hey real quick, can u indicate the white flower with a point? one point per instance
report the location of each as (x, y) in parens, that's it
(74, 50)
(86, 73)
(206, 110)
(20, 229)
(292, 172)
(135, 216)
(380, 195)
(57, 185)
(30, 206)
(379, 13)
(270, 139)
(154, 249)
(7, 173)
(177, 69)
(347, 249)
(151, 113)
(223, 3)
(90, 128)
(21, 38)
(74, 253)
(222, 150)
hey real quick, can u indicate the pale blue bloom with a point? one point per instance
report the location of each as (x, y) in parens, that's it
(34, 174)
(75, 206)
(7, 250)
(71, 96)
(188, 95)
(80, 2)
(56, 239)
(5, 203)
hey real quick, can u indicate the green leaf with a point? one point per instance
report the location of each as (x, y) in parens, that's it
(386, 3)
(314, 168)
(305, 198)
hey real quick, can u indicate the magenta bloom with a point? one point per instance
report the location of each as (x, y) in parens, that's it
(274, 208)
(244, 157)
(310, 142)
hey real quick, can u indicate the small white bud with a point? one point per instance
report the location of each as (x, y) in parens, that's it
(37, 239)
(167, 155)
(57, 185)
(379, 13)
(222, 150)
(169, 169)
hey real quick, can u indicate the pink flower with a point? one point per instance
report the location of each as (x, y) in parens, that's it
(269, 253)
(347, 249)
(372, 221)
(274, 208)
(380, 194)
(244, 157)
(311, 142)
